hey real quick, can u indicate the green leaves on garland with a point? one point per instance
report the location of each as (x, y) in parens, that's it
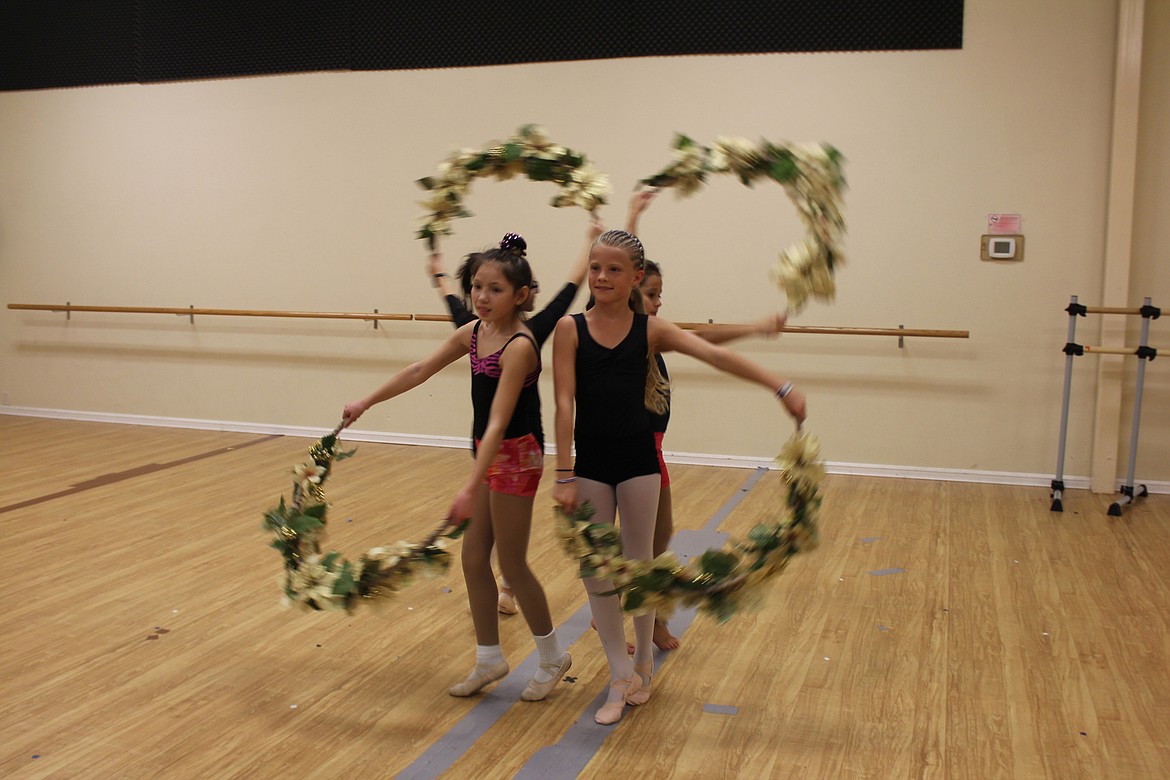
(720, 582)
(330, 582)
(528, 153)
(811, 175)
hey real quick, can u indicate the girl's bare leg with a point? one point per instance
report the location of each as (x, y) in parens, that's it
(512, 523)
(481, 597)
(663, 532)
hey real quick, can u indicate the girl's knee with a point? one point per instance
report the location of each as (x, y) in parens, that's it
(516, 572)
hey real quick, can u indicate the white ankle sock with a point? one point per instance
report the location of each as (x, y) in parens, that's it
(551, 654)
(487, 656)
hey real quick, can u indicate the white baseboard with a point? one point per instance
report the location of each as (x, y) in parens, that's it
(685, 458)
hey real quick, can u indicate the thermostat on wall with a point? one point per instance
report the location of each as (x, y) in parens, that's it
(1002, 247)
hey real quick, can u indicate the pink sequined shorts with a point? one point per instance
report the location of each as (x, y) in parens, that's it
(517, 467)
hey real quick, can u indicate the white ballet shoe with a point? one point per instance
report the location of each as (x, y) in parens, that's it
(478, 679)
(537, 691)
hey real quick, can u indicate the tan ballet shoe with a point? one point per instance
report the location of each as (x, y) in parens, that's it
(645, 675)
(611, 711)
(506, 604)
(477, 680)
(537, 691)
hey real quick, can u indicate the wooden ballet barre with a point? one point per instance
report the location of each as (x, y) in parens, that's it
(899, 332)
(1111, 310)
(844, 331)
(192, 311)
(1117, 350)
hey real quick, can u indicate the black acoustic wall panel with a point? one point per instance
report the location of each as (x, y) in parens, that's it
(65, 43)
(199, 39)
(61, 43)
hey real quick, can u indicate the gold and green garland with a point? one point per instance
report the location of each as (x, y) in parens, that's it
(811, 175)
(719, 582)
(527, 153)
(316, 581)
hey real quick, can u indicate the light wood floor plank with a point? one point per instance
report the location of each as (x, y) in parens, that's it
(941, 630)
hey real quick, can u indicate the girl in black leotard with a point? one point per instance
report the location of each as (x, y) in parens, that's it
(540, 325)
(498, 495)
(605, 381)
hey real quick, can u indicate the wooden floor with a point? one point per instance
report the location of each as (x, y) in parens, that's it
(941, 630)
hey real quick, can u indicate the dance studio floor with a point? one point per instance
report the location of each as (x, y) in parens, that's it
(940, 630)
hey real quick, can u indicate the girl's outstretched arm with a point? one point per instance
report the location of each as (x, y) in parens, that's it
(581, 265)
(545, 321)
(765, 327)
(639, 202)
(441, 281)
(667, 337)
(456, 346)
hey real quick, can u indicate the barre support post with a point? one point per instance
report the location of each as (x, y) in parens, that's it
(1074, 309)
(1144, 356)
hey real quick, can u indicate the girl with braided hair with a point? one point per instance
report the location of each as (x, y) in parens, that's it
(509, 460)
(606, 379)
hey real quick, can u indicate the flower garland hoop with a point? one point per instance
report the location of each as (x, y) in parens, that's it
(316, 581)
(528, 153)
(719, 582)
(811, 175)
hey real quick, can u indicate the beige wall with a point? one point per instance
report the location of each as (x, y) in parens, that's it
(297, 192)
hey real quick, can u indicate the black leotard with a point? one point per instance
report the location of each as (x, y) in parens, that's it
(485, 378)
(615, 441)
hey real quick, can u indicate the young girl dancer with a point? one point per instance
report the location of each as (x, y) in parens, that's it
(651, 289)
(605, 381)
(539, 325)
(498, 495)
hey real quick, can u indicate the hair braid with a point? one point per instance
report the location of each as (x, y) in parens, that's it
(657, 396)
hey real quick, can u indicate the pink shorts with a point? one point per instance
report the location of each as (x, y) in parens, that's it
(658, 436)
(517, 467)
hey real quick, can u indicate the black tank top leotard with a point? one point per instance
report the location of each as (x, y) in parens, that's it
(485, 378)
(615, 440)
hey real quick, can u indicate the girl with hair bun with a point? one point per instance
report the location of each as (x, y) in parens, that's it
(509, 461)
(540, 325)
(606, 379)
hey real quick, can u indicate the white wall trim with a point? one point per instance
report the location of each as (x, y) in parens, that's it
(685, 458)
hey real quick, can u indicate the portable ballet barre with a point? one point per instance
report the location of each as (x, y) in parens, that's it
(1144, 352)
(190, 312)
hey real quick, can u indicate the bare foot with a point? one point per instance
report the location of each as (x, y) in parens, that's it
(663, 639)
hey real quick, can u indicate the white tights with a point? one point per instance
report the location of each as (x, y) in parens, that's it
(636, 501)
